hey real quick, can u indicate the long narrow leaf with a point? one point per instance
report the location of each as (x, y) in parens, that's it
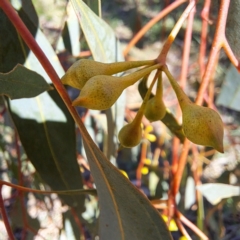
(125, 213)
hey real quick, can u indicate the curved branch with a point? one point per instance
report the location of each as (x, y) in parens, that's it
(230, 54)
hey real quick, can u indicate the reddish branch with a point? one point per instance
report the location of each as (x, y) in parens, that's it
(5, 217)
(78, 222)
(188, 223)
(166, 47)
(203, 45)
(141, 162)
(151, 23)
(182, 229)
(219, 41)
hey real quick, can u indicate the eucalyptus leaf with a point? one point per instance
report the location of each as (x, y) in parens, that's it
(70, 34)
(233, 27)
(125, 213)
(101, 39)
(50, 142)
(215, 192)
(104, 47)
(44, 124)
(22, 83)
(171, 122)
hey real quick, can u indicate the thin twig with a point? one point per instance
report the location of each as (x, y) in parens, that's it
(218, 43)
(203, 45)
(78, 222)
(151, 23)
(188, 223)
(5, 217)
(163, 55)
(181, 166)
(182, 229)
(68, 192)
(230, 54)
(141, 162)
(20, 180)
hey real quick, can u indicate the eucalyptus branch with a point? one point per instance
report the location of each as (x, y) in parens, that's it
(68, 192)
(163, 55)
(151, 23)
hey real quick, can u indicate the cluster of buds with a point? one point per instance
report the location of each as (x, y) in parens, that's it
(100, 90)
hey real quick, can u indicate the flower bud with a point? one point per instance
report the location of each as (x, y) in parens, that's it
(81, 71)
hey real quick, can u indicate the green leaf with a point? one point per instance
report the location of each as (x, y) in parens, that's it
(93, 5)
(230, 91)
(105, 47)
(215, 192)
(70, 34)
(125, 213)
(45, 127)
(47, 133)
(50, 144)
(22, 83)
(12, 51)
(101, 39)
(233, 27)
(142, 88)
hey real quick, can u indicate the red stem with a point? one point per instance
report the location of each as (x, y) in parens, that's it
(202, 51)
(151, 23)
(188, 223)
(5, 217)
(78, 222)
(186, 48)
(141, 162)
(20, 179)
(218, 43)
(163, 55)
(25, 189)
(181, 165)
(182, 229)
(231, 55)
(175, 153)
